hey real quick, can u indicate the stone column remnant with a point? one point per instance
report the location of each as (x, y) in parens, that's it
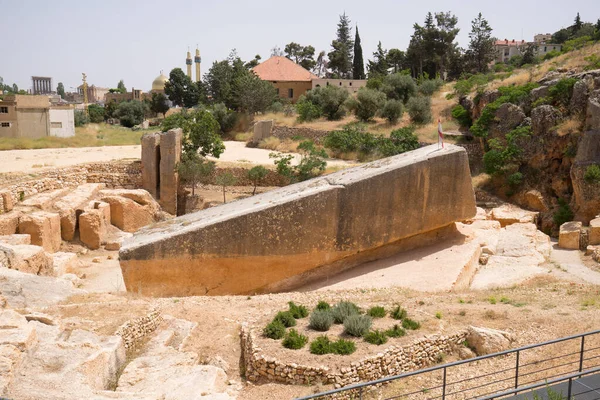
(170, 155)
(151, 163)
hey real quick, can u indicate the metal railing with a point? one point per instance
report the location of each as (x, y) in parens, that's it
(526, 373)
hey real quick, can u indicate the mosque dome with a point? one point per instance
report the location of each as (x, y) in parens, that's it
(158, 85)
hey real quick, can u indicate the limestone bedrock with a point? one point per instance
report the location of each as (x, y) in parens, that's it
(281, 239)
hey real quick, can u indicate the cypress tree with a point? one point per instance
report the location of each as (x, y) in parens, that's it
(358, 67)
(340, 58)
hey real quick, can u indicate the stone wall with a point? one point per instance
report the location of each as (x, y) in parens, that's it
(290, 236)
(134, 331)
(115, 174)
(288, 132)
(394, 360)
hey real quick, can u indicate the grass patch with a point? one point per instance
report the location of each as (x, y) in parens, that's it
(286, 318)
(321, 345)
(408, 323)
(343, 347)
(395, 332)
(376, 312)
(323, 305)
(243, 136)
(398, 313)
(438, 315)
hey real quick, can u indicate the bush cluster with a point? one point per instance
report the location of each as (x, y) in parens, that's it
(398, 313)
(395, 332)
(327, 101)
(298, 311)
(463, 117)
(357, 325)
(419, 109)
(376, 337)
(294, 340)
(321, 320)
(354, 139)
(323, 305)
(275, 330)
(376, 312)
(286, 318)
(592, 174)
(322, 345)
(343, 310)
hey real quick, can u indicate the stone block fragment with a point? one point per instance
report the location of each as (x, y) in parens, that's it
(26, 258)
(9, 222)
(508, 214)
(128, 215)
(64, 263)
(44, 229)
(15, 239)
(6, 200)
(488, 341)
(570, 235)
(595, 231)
(170, 155)
(150, 163)
(92, 228)
(262, 130)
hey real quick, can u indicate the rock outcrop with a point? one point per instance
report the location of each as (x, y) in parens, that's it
(487, 341)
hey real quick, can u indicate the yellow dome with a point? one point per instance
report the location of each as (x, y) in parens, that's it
(159, 83)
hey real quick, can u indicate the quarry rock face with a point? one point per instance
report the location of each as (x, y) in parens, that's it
(280, 239)
(544, 119)
(586, 195)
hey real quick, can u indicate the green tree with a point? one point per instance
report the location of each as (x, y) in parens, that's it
(181, 90)
(529, 55)
(194, 169)
(481, 46)
(200, 131)
(254, 62)
(340, 58)
(358, 66)
(60, 90)
(256, 175)
(379, 65)
(577, 24)
(131, 113)
(301, 55)
(81, 118)
(224, 116)
(159, 104)
(329, 100)
(253, 95)
(321, 65)
(369, 102)
(121, 87)
(109, 109)
(225, 179)
(396, 59)
(399, 87)
(224, 78)
(96, 113)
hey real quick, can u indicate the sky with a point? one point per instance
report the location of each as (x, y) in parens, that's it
(134, 40)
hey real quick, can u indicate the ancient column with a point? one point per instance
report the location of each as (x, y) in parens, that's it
(170, 154)
(151, 163)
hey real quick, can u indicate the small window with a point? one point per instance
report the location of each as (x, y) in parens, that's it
(291, 93)
(327, 83)
(318, 86)
(3, 110)
(6, 124)
(340, 83)
(349, 83)
(545, 49)
(56, 124)
(277, 89)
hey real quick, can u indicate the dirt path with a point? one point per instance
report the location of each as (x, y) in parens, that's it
(41, 159)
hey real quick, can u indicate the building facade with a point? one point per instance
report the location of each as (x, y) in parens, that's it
(34, 117)
(351, 85)
(95, 94)
(506, 49)
(289, 79)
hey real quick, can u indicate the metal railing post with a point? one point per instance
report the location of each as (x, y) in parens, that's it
(517, 370)
(360, 393)
(569, 389)
(444, 386)
(581, 353)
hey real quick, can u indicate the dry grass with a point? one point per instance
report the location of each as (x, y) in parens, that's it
(569, 126)
(92, 135)
(242, 137)
(481, 180)
(276, 144)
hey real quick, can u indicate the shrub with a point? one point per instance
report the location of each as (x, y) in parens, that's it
(96, 113)
(396, 331)
(408, 323)
(398, 313)
(438, 315)
(399, 87)
(256, 175)
(515, 179)
(131, 113)
(342, 310)
(225, 117)
(404, 139)
(461, 114)
(343, 347)
(349, 139)
(286, 318)
(276, 107)
(561, 92)
(551, 54)
(430, 86)
(321, 345)
(419, 109)
(321, 320)
(376, 312)
(592, 174)
(323, 305)
(563, 214)
(293, 340)
(307, 111)
(376, 337)
(357, 325)
(298, 311)
(275, 330)
(330, 99)
(369, 101)
(81, 118)
(392, 111)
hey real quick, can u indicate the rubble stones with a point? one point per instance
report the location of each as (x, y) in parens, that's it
(570, 235)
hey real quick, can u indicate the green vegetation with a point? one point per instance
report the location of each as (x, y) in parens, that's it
(328, 101)
(81, 118)
(194, 169)
(343, 310)
(419, 109)
(398, 313)
(312, 163)
(400, 87)
(357, 325)
(307, 111)
(561, 93)
(286, 318)
(343, 347)
(395, 332)
(293, 340)
(298, 311)
(96, 113)
(225, 179)
(376, 312)
(256, 175)
(200, 131)
(429, 86)
(463, 117)
(593, 60)
(392, 111)
(225, 117)
(275, 330)
(503, 157)
(438, 315)
(408, 323)
(321, 345)
(592, 174)
(376, 337)
(563, 214)
(321, 320)
(368, 103)
(323, 305)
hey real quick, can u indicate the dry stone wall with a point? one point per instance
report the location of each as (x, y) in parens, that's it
(392, 361)
(134, 331)
(288, 132)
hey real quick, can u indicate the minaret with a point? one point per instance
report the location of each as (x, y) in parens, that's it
(188, 62)
(197, 61)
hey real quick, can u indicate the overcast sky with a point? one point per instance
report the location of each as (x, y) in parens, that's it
(134, 40)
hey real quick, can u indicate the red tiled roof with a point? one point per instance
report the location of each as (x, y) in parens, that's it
(507, 42)
(279, 68)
